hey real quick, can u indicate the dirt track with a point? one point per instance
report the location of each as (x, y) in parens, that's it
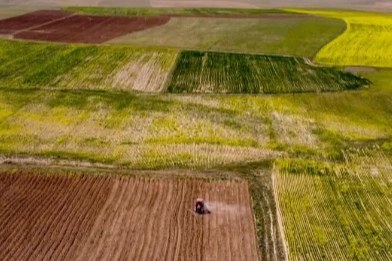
(116, 218)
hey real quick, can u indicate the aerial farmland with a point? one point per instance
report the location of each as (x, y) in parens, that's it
(195, 130)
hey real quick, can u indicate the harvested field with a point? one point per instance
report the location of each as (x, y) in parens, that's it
(115, 218)
(203, 72)
(61, 26)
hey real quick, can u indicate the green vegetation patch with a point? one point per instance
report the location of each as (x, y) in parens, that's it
(144, 131)
(204, 72)
(139, 131)
(342, 213)
(83, 66)
(297, 36)
(169, 11)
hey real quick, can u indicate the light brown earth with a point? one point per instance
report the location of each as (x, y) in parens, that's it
(118, 218)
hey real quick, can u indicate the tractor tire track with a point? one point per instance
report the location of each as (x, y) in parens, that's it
(99, 192)
(51, 215)
(10, 211)
(132, 207)
(30, 212)
(173, 223)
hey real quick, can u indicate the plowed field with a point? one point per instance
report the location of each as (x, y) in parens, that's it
(60, 26)
(114, 218)
(30, 20)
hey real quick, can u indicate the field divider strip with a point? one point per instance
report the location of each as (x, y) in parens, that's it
(279, 213)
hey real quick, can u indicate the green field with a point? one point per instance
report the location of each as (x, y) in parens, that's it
(198, 72)
(366, 42)
(337, 212)
(123, 68)
(286, 36)
(83, 66)
(125, 129)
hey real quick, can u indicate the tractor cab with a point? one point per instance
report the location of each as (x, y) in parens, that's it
(200, 207)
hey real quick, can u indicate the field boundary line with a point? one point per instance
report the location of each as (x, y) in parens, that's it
(169, 76)
(300, 11)
(314, 58)
(342, 35)
(279, 214)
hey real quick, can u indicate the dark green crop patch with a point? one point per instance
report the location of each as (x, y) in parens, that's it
(206, 72)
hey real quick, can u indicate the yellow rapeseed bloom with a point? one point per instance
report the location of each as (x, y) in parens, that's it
(367, 40)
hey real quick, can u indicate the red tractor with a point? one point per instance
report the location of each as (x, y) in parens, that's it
(200, 207)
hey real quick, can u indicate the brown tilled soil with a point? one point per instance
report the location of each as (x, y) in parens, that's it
(118, 218)
(24, 22)
(90, 29)
(60, 26)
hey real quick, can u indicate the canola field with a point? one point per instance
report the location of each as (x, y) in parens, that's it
(367, 40)
(204, 72)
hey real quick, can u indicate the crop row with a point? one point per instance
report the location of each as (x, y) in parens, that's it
(203, 72)
(339, 213)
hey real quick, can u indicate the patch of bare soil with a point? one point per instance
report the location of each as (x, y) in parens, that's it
(61, 26)
(358, 70)
(60, 217)
(30, 20)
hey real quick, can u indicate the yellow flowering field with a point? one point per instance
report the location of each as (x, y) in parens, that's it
(367, 41)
